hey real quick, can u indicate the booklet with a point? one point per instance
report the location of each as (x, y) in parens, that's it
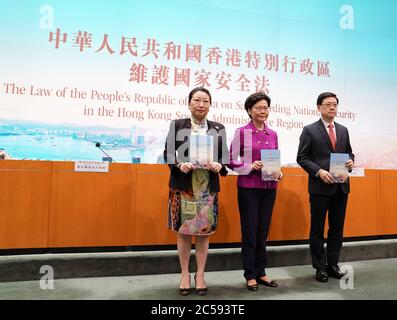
(201, 151)
(271, 168)
(337, 167)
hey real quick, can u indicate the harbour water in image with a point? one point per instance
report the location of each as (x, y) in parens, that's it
(43, 147)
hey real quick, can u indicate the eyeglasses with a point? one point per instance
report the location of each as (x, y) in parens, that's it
(261, 108)
(330, 104)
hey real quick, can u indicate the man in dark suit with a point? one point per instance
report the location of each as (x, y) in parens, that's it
(317, 141)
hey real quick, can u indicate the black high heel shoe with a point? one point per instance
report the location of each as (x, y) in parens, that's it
(272, 283)
(252, 287)
(185, 291)
(200, 291)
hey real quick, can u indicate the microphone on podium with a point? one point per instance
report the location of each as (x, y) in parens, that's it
(108, 158)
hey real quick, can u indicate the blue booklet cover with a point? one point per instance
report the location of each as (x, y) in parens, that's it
(201, 150)
(271, 168)
(337, 167)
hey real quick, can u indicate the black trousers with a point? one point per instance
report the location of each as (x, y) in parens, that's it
(256, 207)
(336, 206)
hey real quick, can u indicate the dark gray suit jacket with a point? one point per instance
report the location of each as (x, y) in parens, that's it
(314, 154)
(183, 181)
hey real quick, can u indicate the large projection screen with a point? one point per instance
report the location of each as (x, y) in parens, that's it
(74, 73)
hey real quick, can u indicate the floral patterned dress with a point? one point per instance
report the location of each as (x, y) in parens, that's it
(194, 211)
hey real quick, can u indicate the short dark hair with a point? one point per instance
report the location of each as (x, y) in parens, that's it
(255, 98)
(326, 95)
(199, 89)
